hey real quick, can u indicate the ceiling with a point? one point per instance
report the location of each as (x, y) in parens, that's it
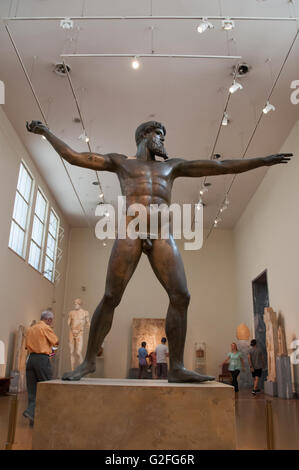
(188, 95)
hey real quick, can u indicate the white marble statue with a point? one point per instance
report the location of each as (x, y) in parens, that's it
(78, 319)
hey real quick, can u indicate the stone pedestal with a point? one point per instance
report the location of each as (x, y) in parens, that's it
(122, 414)
(284, 377)
(270, 388)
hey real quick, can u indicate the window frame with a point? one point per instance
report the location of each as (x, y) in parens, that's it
(25, 230)
(45, 226)
(54, 260)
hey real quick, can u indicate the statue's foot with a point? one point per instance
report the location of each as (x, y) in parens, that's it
(183, 375)
(82, 370)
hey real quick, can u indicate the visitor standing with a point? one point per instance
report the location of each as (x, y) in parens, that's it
(161, 358)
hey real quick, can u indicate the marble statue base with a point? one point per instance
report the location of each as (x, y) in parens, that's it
(124, 414)
(284, 377)
(270, 388)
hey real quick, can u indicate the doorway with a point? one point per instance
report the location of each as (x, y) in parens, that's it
(260, 302)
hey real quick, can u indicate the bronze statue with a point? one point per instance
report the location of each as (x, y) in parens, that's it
(147, 181)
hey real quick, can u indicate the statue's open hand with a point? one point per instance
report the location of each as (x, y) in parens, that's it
(278, 158)
(36, 127)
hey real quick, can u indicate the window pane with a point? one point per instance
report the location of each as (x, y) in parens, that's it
(34, 255)
(51, 246)
(40, 206)
(20, 211)
(24, 183)
(53, 225)
(37, 231)
(49, 269)
(50, 258)
(16, 239)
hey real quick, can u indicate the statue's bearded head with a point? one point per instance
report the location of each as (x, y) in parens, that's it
(154, 134)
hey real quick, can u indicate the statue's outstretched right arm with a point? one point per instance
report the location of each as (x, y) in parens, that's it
(94, 161)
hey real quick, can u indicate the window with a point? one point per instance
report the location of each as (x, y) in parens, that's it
(21, 212)
(51, 249)
(38, 231)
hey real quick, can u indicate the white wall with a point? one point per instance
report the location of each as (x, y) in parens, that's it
(210, 280)
(267, 237)
(24, 292)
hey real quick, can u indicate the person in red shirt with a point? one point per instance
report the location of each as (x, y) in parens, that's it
(40, 340)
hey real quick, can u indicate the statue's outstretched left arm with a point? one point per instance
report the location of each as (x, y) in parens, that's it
(198, 168)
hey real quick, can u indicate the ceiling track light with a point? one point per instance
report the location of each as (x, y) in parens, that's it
(235, 87)
(228, 24)
(135, 63)
(225, 119)
(84, 137)
(204, 25)
(223, 208)
(268, 107)
(203, 190)
(216, 221)
(66, 23)
(199, 205)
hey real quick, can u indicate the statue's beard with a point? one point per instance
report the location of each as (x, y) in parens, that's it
(158, 149)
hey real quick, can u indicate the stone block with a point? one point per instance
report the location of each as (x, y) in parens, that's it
(270, 388)
(284, 377)
(122, 414)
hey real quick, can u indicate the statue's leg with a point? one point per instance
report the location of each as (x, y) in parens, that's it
(79, 347)
(72, 350)
(122, 264)
(168, 266)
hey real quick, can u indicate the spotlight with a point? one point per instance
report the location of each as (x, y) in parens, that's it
(66, 23)
(235, 87)
(135, 63)
(202, 191)
(228, 24)
(101, 195)
(204, 25)
(43, 137)
(225, 119)
(269, 107)
(84, 137)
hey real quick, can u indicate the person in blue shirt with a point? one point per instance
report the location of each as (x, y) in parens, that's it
(142, 355)
(235, 362)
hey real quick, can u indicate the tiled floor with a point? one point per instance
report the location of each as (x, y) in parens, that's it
(250, 422)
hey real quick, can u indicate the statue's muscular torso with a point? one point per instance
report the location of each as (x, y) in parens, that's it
(145, 182)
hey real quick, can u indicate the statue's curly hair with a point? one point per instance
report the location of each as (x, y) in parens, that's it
(147, 127)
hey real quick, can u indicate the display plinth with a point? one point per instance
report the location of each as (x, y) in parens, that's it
(123, 414)
(270, 388)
